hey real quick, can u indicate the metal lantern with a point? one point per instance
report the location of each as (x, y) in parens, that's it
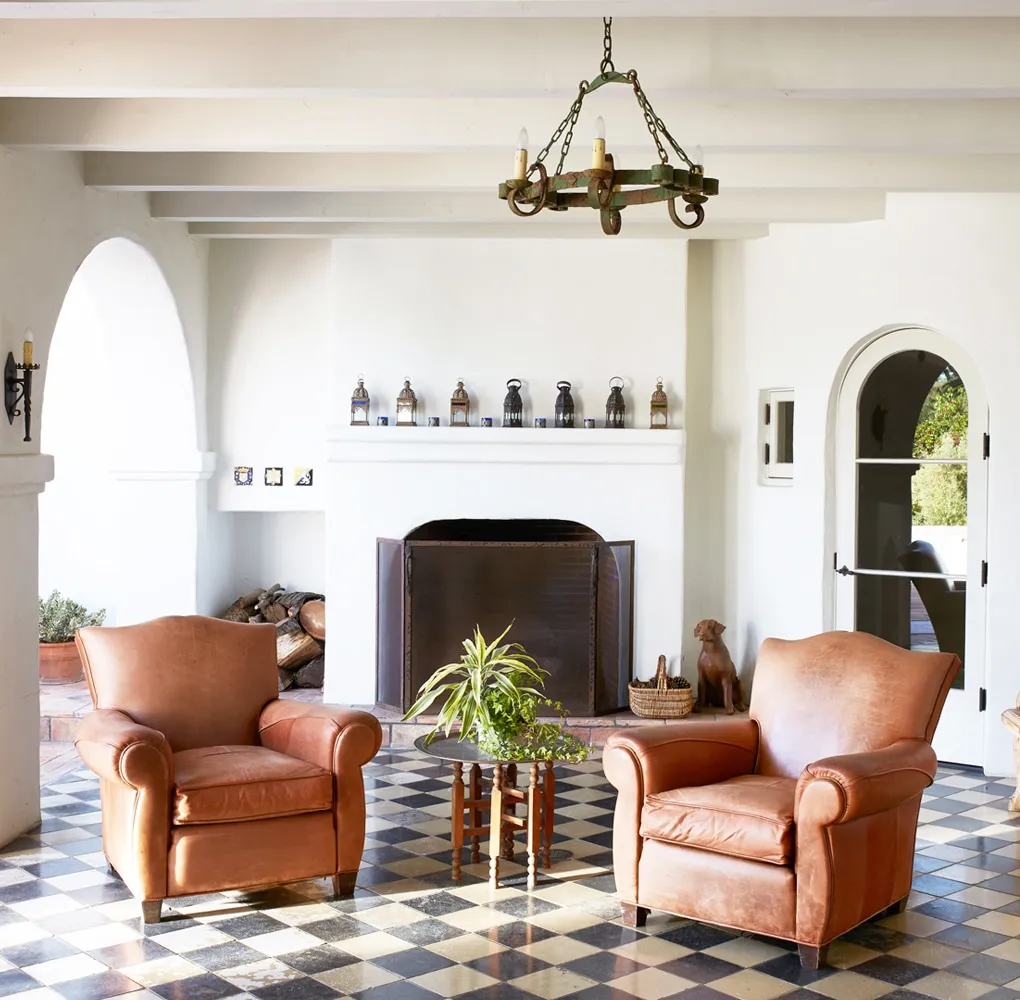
(460, 406)
(407, 406)
(564, 406)
(660, 407)
(513, 405)
(616, 408)
(359, 405)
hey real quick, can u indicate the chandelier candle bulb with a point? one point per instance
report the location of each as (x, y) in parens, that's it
(698, 158)
(521, 157)
(28, 349)
(598, 146)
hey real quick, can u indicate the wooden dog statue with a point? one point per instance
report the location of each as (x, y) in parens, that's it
(718, 684)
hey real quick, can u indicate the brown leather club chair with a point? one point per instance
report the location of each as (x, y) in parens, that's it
(208, 781)
(797, 822)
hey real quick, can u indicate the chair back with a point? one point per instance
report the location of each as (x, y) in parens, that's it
(843, 692)
(199, 681)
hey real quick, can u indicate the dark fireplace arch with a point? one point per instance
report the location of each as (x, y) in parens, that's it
(568, 591)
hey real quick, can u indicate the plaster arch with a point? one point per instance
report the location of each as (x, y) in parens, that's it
(119, 525)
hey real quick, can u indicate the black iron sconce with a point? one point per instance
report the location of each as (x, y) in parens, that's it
(360, 405)
(616, 408)
(19, 390)
(460, 406)
(564, 406)
(513, 405)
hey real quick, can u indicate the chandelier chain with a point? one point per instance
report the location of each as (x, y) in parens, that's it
(567, 126)
(655, 124)
(606, 66)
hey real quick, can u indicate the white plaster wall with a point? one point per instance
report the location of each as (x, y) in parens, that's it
(50, 224)
(285, 547)
(808, 295)
(269, 304)
(488, 310)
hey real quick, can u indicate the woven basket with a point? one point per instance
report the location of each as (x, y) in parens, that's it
(660, 702)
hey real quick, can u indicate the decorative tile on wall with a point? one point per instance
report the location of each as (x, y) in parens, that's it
(243, 475)
(274, 475)
(303, 477)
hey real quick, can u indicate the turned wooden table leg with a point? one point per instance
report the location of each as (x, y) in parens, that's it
(457, 817)
(548, 805)
(510, 781)
(1014, 800)
(475, 793)
(534, 826)
(495, 824)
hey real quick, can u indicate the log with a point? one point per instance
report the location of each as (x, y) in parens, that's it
(269, 597)
(294, 646)
(242, 609)
(274, 613)
(284, 679)
(313, 619)
(311, 674)
(293, 600)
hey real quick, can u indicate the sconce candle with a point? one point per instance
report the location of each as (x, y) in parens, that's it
(521, 157)
(18, 390)
(598, 146)
(28, 349)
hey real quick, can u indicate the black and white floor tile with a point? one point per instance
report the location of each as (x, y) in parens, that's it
(70, 931)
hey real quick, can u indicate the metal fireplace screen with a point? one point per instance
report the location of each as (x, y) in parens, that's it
(571, 603)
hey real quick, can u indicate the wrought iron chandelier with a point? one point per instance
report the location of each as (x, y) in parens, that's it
(605, 188)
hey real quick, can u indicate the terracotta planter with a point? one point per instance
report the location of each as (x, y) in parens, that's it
(59, 663)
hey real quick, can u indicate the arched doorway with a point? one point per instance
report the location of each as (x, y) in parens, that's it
(118, 524)
(911, 488)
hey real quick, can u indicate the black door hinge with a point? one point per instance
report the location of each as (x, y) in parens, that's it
(987, 445)
(768, 414)
(767, 454)
(984, 573)
(982, 699)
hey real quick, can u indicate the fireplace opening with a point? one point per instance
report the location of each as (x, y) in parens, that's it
(568, 591)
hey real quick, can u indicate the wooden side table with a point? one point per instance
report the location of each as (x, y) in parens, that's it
(538, 799)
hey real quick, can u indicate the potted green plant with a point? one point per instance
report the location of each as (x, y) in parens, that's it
(59, 619)
(493, 697)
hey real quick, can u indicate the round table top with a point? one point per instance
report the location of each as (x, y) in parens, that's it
(461, 751)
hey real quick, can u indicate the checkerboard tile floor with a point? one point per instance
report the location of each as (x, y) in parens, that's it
(69, 929)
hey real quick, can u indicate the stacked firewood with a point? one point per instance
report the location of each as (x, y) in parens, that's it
(300, 620)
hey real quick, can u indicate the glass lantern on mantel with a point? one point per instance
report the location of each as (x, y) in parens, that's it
(407, 406)
(460, 406)
(513, 405)
(660, 408)
(359, 405)
(616, 408)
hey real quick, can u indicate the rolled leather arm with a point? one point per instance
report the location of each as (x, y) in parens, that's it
(326, 735)
(693, 753)
(844, 788)
(118, 749)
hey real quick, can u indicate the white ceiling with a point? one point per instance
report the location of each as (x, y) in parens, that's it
(312, 120)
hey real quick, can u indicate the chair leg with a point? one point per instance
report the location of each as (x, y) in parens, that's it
(344, 883)
(634, 915)
(899, 906)
(812, 957)
(151, 910)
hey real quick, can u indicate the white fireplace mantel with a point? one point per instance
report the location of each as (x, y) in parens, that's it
(517, 445)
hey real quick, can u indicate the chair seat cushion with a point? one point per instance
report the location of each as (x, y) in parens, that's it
(229, 784)
(746, 817)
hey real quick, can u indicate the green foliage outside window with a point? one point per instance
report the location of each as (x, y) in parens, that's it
(939, 492)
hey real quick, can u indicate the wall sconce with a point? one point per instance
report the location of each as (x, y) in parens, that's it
(19, 390)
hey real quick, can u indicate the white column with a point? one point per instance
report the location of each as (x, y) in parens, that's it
(22, 479)
(156, 549)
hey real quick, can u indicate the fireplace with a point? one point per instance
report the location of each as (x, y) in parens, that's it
(569, 593)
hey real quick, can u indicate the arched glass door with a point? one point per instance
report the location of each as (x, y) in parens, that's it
(911, 493)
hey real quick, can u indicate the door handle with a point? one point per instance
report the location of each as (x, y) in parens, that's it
(845, 570)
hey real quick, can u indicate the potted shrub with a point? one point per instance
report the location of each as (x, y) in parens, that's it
(59, 619)
(493, 696)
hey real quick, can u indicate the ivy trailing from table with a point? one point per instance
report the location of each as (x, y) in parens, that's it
(494, 694)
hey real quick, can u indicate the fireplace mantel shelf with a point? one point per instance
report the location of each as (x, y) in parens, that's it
(521, 445)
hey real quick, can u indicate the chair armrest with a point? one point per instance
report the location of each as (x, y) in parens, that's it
(326, 735)
(701, 752)
(121, 750)
(844, 788)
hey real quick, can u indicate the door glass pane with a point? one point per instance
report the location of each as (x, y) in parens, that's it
(914, 405)
(784, 431)
(912, 517)
(926, 615)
